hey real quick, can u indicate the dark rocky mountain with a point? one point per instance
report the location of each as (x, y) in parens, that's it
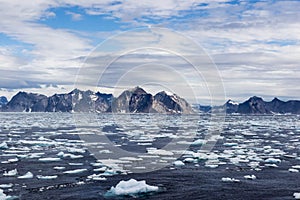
(3, 101)
(254, 105)
(170, 103)
(138, 100)
(231, 106)
(135, 100)
(23, 102)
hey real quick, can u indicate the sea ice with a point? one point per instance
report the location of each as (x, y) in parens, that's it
(227, 179)
(26, 176)
(297, 195)
(49, 159)
(178, 163)
(250, 177)
(75, 171)
(294, 170)
(273, 160)
(41, 177)
(131, 187)
(11, 172)
(3, 145)
(3, 196)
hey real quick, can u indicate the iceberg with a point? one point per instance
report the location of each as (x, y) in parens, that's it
(132, 188)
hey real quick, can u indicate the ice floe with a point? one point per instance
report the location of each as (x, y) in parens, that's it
(3, 196)
(178, 163)
(296, 195)
(13, 172)
(250, 177)
(3, 145)
(75, 171)
(49, 159)
(293, 170)
(42, 177)
(227, 179)
(132, 188)
(28, 175)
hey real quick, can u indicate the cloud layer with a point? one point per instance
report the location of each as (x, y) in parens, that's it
(255, 44)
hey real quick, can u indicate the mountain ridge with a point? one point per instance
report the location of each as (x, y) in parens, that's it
(135, 100)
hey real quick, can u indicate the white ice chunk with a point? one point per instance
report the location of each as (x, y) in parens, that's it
(294, 170)
(131, 187)
(9, 185)
(227, 179)
(26, 176)
(41, 177)
(49, 159)
(75, 171)
(13, 172)
(297, 195)
(178, 163)
(3, 196)
(3, 145)
(273, 160)
(250, 177)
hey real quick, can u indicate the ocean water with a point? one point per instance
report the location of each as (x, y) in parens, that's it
(81, 156)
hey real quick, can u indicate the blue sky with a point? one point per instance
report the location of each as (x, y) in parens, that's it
(254, 44)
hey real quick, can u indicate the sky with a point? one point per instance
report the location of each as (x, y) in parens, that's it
(199, 49)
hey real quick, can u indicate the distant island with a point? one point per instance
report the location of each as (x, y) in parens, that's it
(137, 100)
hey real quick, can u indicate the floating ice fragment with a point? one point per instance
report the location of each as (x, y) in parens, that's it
(250, 177)
(49, 159)
(13, 172)
(58, 168)
(161, 152)
(3, 145)
(198, 142)
(132, 188)
(97, 177)
(46, 177)
(75, 171)
(227, 179)
(3, 196)
(6, 185)
(26, 176)
(273, 160)
(297, 195)
(294, 170)
(178, 163)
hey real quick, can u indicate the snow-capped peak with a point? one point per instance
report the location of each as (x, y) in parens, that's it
(233, 102)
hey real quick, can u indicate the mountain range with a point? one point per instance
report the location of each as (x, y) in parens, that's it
(135, 100)
(256, 105)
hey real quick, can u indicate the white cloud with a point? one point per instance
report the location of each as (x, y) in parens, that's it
(252, 43)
